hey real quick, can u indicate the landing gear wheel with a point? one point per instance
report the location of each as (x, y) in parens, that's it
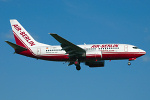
(78, 68)
(77, 63)
(129, 63)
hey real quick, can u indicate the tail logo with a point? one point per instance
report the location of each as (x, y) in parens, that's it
(24, 35)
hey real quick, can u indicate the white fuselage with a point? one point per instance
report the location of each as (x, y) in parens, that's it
(93, 52)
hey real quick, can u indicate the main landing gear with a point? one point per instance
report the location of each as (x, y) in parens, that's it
(77, 63)
(78, 67)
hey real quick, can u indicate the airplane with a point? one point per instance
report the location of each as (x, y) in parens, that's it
(93, 55)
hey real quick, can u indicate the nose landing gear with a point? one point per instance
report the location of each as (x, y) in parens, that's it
(129, 63)
(130, 59)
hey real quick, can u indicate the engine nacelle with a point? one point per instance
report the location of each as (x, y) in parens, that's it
(93, 56)
(95, 63)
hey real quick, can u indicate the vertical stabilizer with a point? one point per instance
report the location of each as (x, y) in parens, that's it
(22, 37)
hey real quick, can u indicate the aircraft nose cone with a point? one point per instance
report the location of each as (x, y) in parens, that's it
(144, 52)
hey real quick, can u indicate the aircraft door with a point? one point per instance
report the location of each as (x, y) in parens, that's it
(126, 48)
(38, 51)
(98, 55)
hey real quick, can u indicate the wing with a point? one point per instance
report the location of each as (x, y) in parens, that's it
(70, 48)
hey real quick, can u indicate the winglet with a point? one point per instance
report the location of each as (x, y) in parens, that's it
(16, 47)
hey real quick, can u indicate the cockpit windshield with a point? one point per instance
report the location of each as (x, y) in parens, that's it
(135, 48)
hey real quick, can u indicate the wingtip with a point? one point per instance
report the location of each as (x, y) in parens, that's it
(6, 41)
(51, 33)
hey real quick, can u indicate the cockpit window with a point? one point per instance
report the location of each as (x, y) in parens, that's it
(135, 48)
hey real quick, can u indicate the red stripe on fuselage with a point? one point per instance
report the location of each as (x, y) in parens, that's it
(54, 57)
(121, 55)
(93, 57)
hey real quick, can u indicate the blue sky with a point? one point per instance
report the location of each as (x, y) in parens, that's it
(79, 21)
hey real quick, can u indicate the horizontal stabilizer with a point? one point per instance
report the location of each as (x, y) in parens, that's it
(16, 47)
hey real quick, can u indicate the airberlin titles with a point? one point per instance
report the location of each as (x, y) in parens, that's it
(105, 46)
(24, 35)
